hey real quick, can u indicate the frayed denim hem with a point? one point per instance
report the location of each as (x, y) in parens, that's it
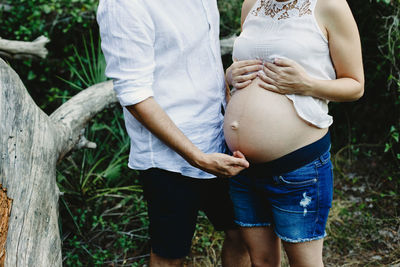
(242, 224)
(300, 240)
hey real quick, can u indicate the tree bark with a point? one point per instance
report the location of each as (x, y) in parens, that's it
(31, 144)
(5, 210)
(18, 49)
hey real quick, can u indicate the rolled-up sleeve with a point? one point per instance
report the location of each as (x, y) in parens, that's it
(127, 41)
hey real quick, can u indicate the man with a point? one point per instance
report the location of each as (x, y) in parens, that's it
(165, 60)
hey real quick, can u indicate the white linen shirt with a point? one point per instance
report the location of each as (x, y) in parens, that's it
(168, 50)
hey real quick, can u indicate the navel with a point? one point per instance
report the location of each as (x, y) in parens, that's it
(234, 125)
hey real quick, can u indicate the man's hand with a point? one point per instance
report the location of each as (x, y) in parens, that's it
(238, 73)
(222, 165)
(154, 118)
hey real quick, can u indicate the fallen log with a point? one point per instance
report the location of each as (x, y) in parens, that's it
(31, 144)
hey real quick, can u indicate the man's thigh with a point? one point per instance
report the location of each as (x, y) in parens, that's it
(217, 204)
(173, 204)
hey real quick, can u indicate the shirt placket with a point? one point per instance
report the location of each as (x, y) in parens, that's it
(212, 41)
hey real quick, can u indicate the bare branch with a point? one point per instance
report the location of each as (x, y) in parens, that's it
(73, 115)
(227, 45)
(35, 48)
(5, 7)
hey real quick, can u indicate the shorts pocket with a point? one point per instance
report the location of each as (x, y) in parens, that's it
(304, 176)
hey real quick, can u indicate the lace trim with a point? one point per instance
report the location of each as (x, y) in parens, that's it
(272, 9)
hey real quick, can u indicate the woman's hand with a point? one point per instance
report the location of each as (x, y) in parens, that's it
(241, 73)
(285, 76)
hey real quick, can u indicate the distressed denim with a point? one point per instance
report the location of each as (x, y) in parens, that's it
(296, 204)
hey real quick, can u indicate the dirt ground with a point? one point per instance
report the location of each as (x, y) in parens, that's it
(364, 223)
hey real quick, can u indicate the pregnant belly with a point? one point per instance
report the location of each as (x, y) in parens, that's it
(264, 125)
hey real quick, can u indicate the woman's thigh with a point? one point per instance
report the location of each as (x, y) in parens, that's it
(263, 245)
(301, 200)
(307, 254)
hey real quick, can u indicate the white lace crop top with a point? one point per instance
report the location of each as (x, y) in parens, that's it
(289, 29)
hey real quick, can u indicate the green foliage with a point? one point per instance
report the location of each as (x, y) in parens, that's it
(390, 49)
(384, 1)
(92, 65)
(230, 12)
(98, 171)
(64, 22)
(369, 120)
(97, 183)
(28, 19)
(102, 210)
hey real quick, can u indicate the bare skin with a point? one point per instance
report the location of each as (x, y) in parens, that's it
(234, 254)
(307, 254)
(157, 261)
(154, 118)
(263, 245)
(287, 77)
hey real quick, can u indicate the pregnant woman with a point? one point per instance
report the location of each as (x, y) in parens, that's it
(291, 59)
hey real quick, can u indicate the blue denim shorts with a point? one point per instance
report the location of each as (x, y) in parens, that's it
(296, 204)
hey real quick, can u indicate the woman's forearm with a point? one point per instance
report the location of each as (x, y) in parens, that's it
(339, 90)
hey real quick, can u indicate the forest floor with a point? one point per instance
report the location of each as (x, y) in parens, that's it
(363, 226)
(364, 222)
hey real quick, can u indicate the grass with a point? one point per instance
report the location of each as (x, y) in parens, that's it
(89, 68)
(364, 224)
(102, 209)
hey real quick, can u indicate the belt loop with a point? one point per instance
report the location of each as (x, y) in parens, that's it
(321, 158)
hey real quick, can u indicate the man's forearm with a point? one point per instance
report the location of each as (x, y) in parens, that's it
(154, 118)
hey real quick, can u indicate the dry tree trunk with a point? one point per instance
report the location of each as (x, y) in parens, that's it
(31, 144)
(20, 49)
